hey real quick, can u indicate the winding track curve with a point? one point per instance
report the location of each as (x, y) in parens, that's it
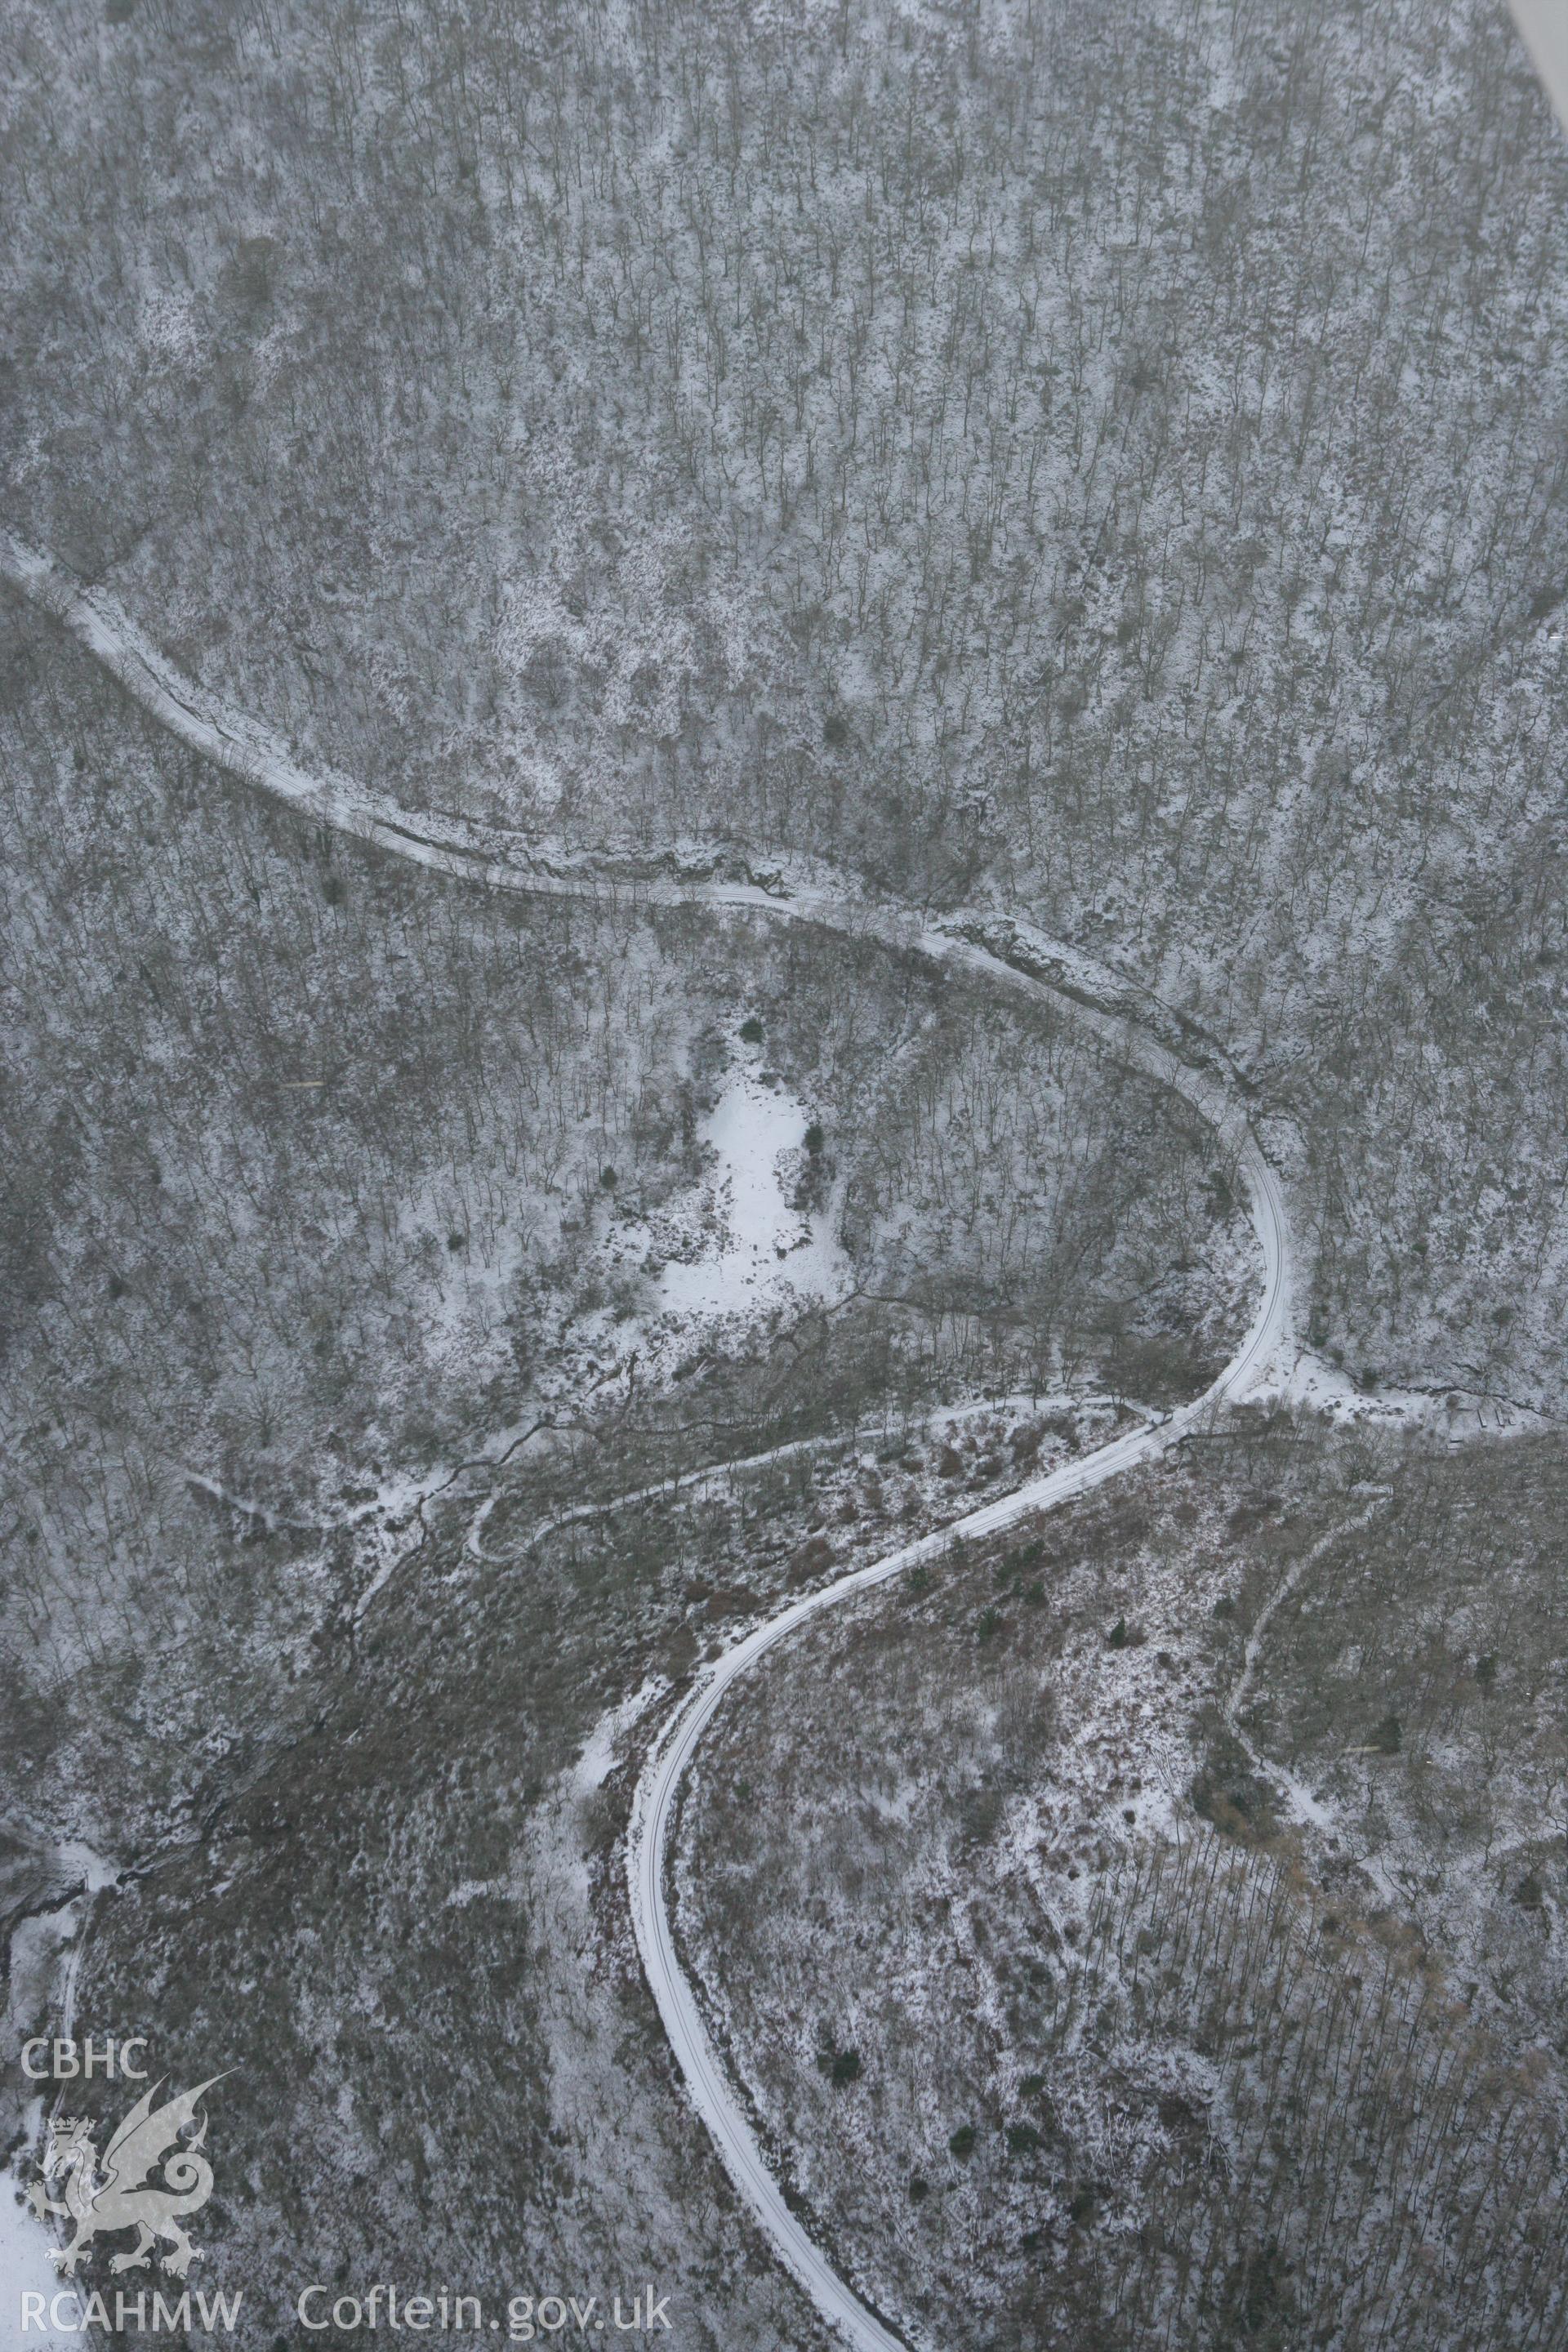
(993, 949)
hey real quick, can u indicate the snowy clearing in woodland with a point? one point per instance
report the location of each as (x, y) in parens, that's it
(771, 1252)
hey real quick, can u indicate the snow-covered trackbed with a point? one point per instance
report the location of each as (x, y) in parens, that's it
(996, 951)
(658, 1793)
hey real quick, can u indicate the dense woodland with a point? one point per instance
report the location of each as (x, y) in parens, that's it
(1110, 457)
(1103, 462)
(324, 1173)
(339, 1200)
(1070, 2019)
